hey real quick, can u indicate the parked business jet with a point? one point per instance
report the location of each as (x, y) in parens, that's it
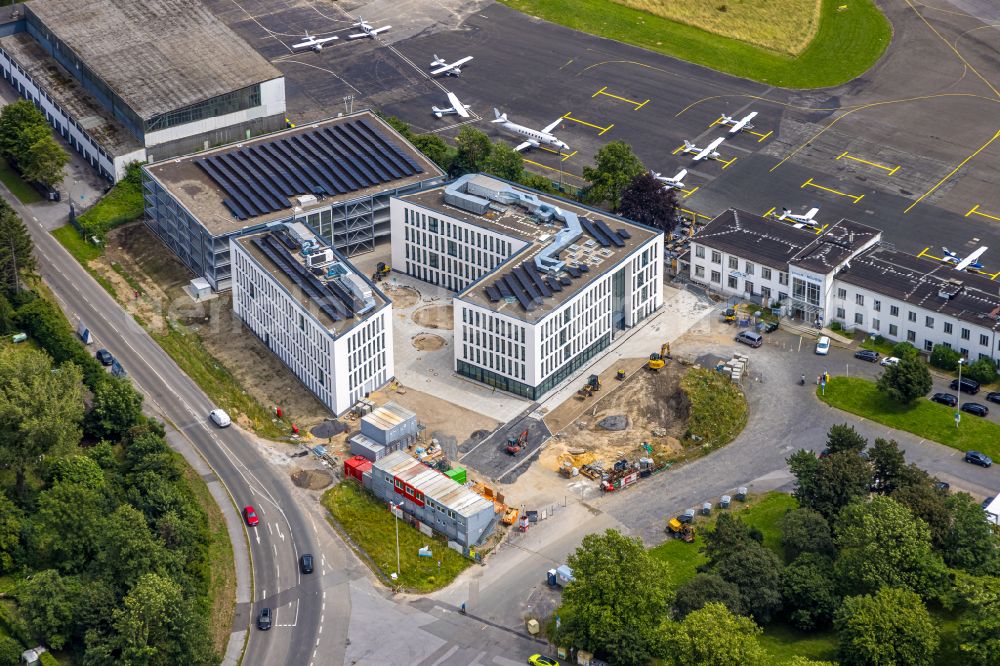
(535, 138)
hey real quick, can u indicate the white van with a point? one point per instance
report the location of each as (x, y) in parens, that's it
(220, 418)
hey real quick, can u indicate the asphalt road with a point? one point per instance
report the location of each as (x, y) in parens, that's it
(245, 476)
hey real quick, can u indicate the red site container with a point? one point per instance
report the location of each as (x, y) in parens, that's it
(355, 467)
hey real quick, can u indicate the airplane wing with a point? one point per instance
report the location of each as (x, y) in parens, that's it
(811, 214)
(680, 175)
(302, 45)
(971, 259)
(521, 146)
(357, 35)
(448, 68)
(382, 29)
(552, 126)
(457, 105)
(743, 122)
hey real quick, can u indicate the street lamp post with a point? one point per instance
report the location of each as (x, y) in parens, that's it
(396, 508)
(958, 405)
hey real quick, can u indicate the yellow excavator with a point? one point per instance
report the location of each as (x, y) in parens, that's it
(381, 271)
(657, 361)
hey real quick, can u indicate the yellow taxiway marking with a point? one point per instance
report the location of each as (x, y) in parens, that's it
(975, 211)
(564, 156)
(677, 150)
(694, 216)
(923, 252)
(810, 183)
(638, 105)
(762, 136)
(953, 171)
(727, 163)
(891, 170)
(564, 173)
(584, 122)
(688, 193)
(715, 122)
(768, 213)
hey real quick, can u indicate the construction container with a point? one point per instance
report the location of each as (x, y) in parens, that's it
(457, 474)
(389, 423)
(355, 467)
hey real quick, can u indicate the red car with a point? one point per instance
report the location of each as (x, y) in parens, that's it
(251, 516)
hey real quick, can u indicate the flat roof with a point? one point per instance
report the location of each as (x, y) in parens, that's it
(388, 416)
(921, 281)
(591, 249)
(834, 246)
(69, 94)
(433, 484)
(332, 300)
(205, 198)
(762, 240)
(157, 55)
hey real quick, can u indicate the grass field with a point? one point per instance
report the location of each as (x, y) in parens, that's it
(12, 179)
(848, 42)
(718, 407)
(785, 26)
(923, 418)
(81, 250)
(370, 525)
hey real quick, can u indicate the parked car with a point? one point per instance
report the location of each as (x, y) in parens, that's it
(986, 502)
(750, 338)
(306, 564)
(970, 386)
(220, 418)
(943, 486)
(251, 516)
(264, 619)
(977, 458)
(993, 396)
(104, 356)
(117, 370)
(889, 360)
(823, 345)
(976, 408)
(945, 399)
(867, 355)
(539, 660)
(770, 326)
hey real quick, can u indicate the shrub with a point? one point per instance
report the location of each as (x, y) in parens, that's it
(982, 370)
(904, 350)
(944, 357)
(122, 204)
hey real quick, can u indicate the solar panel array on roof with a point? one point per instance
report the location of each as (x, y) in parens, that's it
(610, 235)
(493, 294)
(597, 235)
(327, 161)
(624, 234)
(340, 307)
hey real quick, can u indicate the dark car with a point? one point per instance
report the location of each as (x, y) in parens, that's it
(104, 356)
(866, 355)
(945, 399)
(306, 564)
(977, 458)
(264, 619)
(770, 326)
(987, 502)
(993, 396)
(970, 386)
(976, 408)
(943, 486)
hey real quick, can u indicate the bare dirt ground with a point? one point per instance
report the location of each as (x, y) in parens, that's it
(657, 412)
(311, 479)
(428, 342)
(435, 316)
(402, 296)
(161, 278)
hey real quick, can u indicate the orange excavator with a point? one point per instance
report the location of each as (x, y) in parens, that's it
(515, 444)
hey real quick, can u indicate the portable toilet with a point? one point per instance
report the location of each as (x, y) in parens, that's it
(724, 502)
(706, 508)
(741, 494)
(550, 577)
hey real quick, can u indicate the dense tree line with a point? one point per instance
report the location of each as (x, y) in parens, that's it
(26, 141)
(873, 548)
(99, 529)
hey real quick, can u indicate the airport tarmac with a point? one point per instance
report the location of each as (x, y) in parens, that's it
(910, 147)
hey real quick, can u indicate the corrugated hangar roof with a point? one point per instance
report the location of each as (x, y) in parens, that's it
(157, 55)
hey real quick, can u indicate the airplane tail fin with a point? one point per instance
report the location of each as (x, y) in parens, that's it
(500, 117)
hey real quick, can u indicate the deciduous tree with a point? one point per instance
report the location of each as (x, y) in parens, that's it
(809, 591)
(49, 603)
(618, 599)
(983, 370)
(970, 543)
(713, 636)
(17, 122)
(756, 571)
(505, 162)
(906, 381)
(615, 165)
(117, 407)
(11, 525)
(944, 357)
(45, 160)
(646, 201)
(829, 484)
(435, 149)
(805, 531)
(843, 438)
(888, 465)
(891, 628)
(705, 588)
(474, 149)
(69, 526)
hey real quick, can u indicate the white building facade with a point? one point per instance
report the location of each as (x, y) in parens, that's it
(340, 362)
(489, 247)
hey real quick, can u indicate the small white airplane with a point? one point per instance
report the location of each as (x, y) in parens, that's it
(367, 30)
(443, 67)
(969, 263)
(535, 138)
(708, 151)
(456, 108)
(313, 43)
(675, 183)
(808, 219)
(737, 126)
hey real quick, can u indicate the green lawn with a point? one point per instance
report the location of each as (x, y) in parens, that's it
(372, 527)
(122, 204)
(923, 418)
(12, 179)
(763, 512)
(718, 407)
(848, 42)
(81, 250)
(782, 642)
